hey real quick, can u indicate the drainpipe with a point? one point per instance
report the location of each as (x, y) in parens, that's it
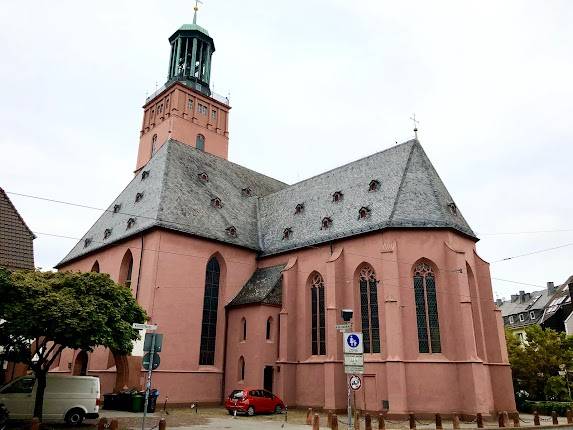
(224, 356)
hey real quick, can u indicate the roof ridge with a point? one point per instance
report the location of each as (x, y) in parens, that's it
(406, 167)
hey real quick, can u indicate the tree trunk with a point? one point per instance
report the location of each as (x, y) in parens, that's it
(40, 388)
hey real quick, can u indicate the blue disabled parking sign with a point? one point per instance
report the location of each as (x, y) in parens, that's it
(353, 343)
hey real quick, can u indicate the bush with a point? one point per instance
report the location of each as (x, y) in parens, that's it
(545, 408)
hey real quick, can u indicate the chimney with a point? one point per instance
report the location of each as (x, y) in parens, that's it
(550, 288)
(499, 302)
(522, 297)
(514, 298)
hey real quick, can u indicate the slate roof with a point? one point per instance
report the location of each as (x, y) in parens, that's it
(410, 195)
(561, 299)
(16, 247)
(264, 287)
(524, 303)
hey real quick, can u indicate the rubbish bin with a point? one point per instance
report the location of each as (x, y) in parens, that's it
(137, 401)
(110, 401)
(152, 401)
(124, 401)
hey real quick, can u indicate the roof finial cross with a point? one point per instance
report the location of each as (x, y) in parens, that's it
(196, 8)
(416, 122)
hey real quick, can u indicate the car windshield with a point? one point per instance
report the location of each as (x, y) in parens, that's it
(236, 394)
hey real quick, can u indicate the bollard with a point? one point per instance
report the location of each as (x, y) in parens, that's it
(439, 425)
(162, 424)
(309, 417)
(569, 416)
(554, 416)
(505, 418)
(381, 422)
(412, 419)
(357, 421)
(536, 418)
(113, 425)
(35, 424)
(315, 422)
(500, 421)
(329, 419)
(515, 417)
(367, 422)
(456, 421)
(334, 422)
(102, 424)
(479, 420)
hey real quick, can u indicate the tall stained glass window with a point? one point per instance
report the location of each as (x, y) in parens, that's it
(318, 319)
(210, 305)
(426, 309)
(369, 310)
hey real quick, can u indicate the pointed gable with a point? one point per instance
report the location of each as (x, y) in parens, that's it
(16, 247)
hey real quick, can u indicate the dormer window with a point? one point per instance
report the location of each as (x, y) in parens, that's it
(326, 223)
(231, 231)
(337, 196)
(287, 233)
(138, 197)
(216, 203)
(87, 242)
(107, 233)
(203, 177)
(130, 223)
(246, 192)
(144, 175)
(299, 209)
(116, 208)
(453, 208)
(363, 212)
(374, 185)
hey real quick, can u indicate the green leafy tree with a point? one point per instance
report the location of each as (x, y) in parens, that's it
(42, 313)
(535, 363)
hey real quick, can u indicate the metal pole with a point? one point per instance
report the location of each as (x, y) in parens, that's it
(349, 405)
(148, 383)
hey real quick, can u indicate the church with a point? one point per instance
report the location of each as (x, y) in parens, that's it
(246, 276)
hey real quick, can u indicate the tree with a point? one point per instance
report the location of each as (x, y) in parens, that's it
(535, 363)
(42, 313)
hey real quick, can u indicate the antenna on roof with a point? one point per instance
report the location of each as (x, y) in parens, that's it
(195, 9)
(416, 122)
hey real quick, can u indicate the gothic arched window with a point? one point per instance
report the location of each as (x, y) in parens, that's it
(244, 328)
(95, 267)
(200, 142)
(241, 368)
(318, 323)
(153, 144)
(126, 269)
(369, 310)
(269, 327)
(210, 305)
(426, 309)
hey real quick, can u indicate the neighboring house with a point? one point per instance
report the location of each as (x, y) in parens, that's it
(558, 311)
(16, 252)
(525, 309)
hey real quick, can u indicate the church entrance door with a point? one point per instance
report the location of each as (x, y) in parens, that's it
(268, 378)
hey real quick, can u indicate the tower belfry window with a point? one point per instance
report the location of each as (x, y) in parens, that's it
(200, 142)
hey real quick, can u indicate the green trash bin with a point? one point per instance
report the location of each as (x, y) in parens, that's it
(137, 402)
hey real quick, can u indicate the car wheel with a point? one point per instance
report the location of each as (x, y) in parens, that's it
(278, 409)
(230, 411)
(251, 411)
(75, 417)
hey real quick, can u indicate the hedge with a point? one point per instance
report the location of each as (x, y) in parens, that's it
(545, 408)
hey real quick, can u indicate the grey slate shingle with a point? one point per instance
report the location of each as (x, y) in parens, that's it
(264, 287)
(16, 247)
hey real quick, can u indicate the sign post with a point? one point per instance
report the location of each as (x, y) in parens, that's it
(353, 364)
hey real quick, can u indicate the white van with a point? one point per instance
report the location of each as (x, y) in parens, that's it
(69, 398)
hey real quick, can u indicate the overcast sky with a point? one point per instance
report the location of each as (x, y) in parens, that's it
(314, 84)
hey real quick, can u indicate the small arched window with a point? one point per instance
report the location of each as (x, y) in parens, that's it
(241, 368)
(95, 267)
(426, 309)
(153, 144)
(369, 310)
(126, 269)
(318, 320)
(200, 142)
(243, 329)
(269, 328)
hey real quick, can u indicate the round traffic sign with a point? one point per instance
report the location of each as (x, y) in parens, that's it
(353, 341)
(146, 361)
(355, 382)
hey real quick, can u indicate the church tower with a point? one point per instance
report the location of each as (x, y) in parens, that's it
(185, 108)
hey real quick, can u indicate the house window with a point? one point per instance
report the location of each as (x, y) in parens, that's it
(138, 197)
(326, 223)
(426, 309)
(318, 335)
(337, 196)
(203, 177)
(299, 209)
(453, 208)
(144, 175)
(521, 317)
(107, 233)
(363, 212)
(126, 269)
(190, 104)
(511, 319)
(241, 368)
(216, 203)
(287, 233)
(203, 110)
(231, 231)
(244, 329)
(374, 185)
(210, 307)
(246, 192)
(116, 208)
(130, 223)
(153, 144)
(269, 326)
(532, 315)
(200, 142)
(95, 267)
(213, 114)
(87, 242)
(369, 310)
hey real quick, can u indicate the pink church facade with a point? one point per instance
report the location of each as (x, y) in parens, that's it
(246, 276)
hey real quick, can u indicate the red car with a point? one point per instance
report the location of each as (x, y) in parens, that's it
(254, 402)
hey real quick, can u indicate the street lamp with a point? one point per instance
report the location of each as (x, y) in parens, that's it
(563, 373)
